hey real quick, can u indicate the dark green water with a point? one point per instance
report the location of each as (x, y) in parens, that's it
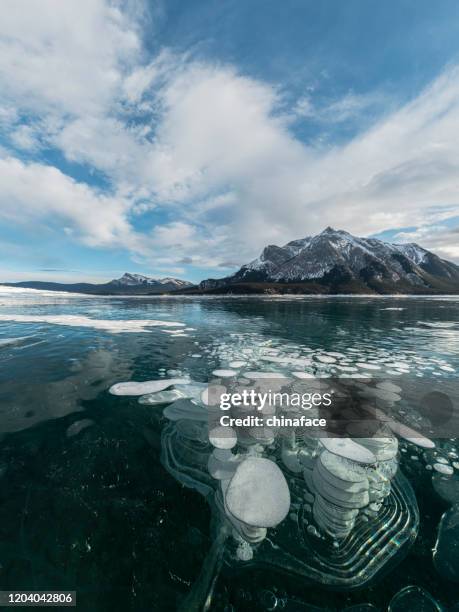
(95, 511)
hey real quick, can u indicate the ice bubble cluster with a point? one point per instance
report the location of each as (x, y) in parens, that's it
(252, 351)
(336, 509)
(349, 478)
(288, 500)
(340, 488)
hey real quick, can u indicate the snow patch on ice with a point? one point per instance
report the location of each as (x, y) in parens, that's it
(110, 325)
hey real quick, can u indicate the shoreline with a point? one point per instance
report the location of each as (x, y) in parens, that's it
(264, 296)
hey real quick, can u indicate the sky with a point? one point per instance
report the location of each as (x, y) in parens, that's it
(177, 138)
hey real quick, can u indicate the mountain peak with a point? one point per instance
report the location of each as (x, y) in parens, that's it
(336, 261)
(130, 279)
(128, 284)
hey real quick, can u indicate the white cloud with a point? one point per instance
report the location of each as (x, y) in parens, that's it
(67, 56)
(211, 145)
(174, 235)
(350, 106)
(444, 241)
(25, 137)
(221, 130)
(34, 191)
(9, 275)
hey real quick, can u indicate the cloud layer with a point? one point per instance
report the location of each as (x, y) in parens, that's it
(189, 162)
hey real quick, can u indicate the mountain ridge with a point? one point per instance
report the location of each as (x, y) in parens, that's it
(129, 283)
(335, 261)
(331, 262)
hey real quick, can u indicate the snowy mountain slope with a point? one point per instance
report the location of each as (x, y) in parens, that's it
(132, 284)
(134, 280)
(337, 261)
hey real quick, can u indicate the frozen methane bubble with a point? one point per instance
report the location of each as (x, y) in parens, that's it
(341, 487)
(222, 463)
(341, 471)
(413, 599)
(256, 375)
(384, 448)
(223, 437)
(162, 397)
(410, 435)
(388, 386)
(325, 359)
(258, 494)
(224, 373)
(447, 470)
(348, 449)
(446, 551)
(244, 551)
(148, 386)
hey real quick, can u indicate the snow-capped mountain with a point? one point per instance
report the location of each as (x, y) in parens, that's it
(132, 280)
(334, 261)
(133, 284)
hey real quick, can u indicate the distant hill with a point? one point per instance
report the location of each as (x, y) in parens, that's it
(128, 284)
(334, 262)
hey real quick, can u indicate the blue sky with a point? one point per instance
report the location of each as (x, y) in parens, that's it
(179, 138)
